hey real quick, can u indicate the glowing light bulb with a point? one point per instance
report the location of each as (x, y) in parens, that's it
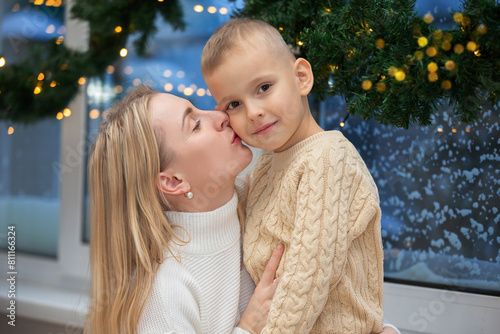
(2, 61)
(123, 52)
(198, 8)
(10, 130)
(94, 114)
(118, 29)
(67, 112)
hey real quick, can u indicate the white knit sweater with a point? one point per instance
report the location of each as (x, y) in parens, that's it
(209, 289)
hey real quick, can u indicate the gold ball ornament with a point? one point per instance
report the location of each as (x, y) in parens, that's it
(380, 43)
(381, 87)
(432, 77)
(432, 67)
(428, 18)
(437, 35)
(446, 46)
(400, 75)
(450, 65)
(458, 17)
(458, 49)
(446, 84)
(419, 55)
(471, 46)
(367, 85)
(431, 51)
(422, 41)
(481, 29)
(392, 71)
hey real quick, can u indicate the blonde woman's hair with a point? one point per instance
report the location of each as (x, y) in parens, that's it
(240, 33)
(129, 230)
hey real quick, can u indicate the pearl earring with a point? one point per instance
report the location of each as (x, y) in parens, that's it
(189, 195)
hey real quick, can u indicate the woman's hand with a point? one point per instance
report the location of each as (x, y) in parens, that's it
(254, 317)
(389, 330)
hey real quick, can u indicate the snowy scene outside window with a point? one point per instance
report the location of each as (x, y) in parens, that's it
(439, 193)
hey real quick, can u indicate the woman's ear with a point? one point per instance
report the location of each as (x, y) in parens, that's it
(170, 183)
(304, 73)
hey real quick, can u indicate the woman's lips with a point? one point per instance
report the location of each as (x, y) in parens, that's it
(236, 139)
(265, 129)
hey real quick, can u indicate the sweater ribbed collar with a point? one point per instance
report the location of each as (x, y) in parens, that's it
(209, 232)
(282, 160)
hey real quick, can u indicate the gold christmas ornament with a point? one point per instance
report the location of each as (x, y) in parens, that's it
(458, 17)
(432, 76)
(367, 85)
(481, 29)
(428, 18)
(432, 67)
(431, 51)
(422, 41)
(446, 84)
(459, 48)
(450, 65)
(380, 43)
(400, 75)
(381, 87)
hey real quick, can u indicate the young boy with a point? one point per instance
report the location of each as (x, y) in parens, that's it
(311, 191)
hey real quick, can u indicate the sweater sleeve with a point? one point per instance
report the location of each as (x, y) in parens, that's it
(317, 253)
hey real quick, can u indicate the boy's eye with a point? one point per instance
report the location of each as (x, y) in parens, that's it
(197, 126)
(264, 88)
(233, 105)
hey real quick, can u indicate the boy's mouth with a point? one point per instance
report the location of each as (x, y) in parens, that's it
(265, 129)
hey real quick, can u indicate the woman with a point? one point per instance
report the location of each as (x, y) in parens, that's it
(142, 164)
(165, 236)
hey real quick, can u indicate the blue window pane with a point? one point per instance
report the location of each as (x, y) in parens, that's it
(439, 194)
(29, 154)
(29, 186)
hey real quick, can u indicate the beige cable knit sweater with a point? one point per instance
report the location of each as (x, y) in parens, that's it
(319, 199)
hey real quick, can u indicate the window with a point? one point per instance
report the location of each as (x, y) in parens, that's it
(439, 193)
(29, 174)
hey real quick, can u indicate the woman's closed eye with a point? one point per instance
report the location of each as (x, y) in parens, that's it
(197, 126)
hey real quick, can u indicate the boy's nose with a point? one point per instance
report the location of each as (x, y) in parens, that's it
(254, 112)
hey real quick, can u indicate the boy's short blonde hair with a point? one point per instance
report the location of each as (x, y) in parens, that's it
(237, 33)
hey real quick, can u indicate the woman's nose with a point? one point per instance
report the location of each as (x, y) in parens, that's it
(222, 120)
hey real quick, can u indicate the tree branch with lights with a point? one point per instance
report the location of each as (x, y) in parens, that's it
(44, 84)
(387, 62)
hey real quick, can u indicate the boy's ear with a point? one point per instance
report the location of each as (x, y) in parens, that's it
(304, 73)
(171, 183)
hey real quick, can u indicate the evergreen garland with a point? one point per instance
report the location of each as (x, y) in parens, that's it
(27, 96)
(387, 62)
